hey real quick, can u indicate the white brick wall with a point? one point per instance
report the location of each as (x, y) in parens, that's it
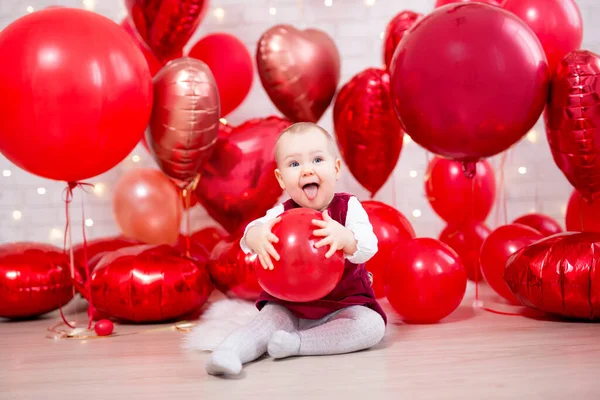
(356, 29)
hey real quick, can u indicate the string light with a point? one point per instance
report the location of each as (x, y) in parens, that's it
(272, 11)
(41, 190)
(99, 189)
(416, 213)
(219, 14)
(89, 222)
(6, 173)
(369, 3)
(17, 215)
(413, 173)
(563, 209)
(532, 136)
(406, 139)
(328, 3)
(29, 9)
(522, 170)
(135, 158)
(223, 121)
(89, 4)
(381, 35)
(56, 234)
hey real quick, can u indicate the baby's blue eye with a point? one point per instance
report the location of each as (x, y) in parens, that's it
(294, 164)
(318, 160)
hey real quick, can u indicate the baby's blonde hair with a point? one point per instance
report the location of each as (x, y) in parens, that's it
(303, 127)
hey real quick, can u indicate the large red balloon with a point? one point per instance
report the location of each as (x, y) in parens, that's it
(149, 284)
(231, 64)
(303, 273)
(440, 3)
(233, 271)
(76, 94)
(368, 133)
(556, 23)
(572, 119)
(466, 239)
(395, 31)
(540, 222)
(426, 281)
(238, 184)
(497, 248)
(35, 279)
(558, 275)
(582, 215)
(469, 81)
(391, 228)
(456, 198)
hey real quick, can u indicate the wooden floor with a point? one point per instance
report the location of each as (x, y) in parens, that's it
(473, 354)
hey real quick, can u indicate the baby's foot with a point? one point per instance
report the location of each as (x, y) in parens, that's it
(284, 344)
(223, 362)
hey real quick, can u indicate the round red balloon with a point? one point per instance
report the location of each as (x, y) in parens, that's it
(35, 279)
(230, 63)
(395, 31)
(556, 23)
(542, 223)
(497, 248)
(391, 228)
(76, 94)
(469, 81)
(440, 3)
(426, 281)
(303, 273)
(104, 327)
(466, 239)
(582, 215)
(456, 198)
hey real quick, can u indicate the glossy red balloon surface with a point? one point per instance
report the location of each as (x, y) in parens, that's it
(35, 279)
(395, 31)
(392, 228)
(466, 239)
(456, 198)
(76, 94)
(426, 281)
(303, 273)
(238, 184)
(104, 327)
(558, 275)
(582, 215)
(457, 97)
(367, 131)
(544, 224)
(440, 3)
(497, 248)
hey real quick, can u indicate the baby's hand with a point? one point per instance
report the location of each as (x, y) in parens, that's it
(336, 235)
(259, 239)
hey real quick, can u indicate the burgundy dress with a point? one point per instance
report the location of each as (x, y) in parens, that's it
(354, 289)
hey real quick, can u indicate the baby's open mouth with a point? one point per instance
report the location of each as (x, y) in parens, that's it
(310, 190)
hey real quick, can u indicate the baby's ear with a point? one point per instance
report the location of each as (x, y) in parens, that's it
(279, 178)
(338, 168)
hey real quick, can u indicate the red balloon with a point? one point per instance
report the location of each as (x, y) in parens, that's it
(440, 3)
(149, 284)
(458, 99)
(209, 237)
(35, 279)
(368, 133)
(540, 222)
(303, 273)
(456, 198)
(238, 184)
(76, 94)
(426, 281)
(395, 31)
(391, 228)
(556, 23)
(153, 63)
(582, 215)
(166, 25)
(233, 271)
(558, 275)
(103, 327)
(572, 118)
(466, 239)
(231, 64)
(497, 248)
(197, 252)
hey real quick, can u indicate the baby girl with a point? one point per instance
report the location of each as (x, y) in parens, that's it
(349, 318)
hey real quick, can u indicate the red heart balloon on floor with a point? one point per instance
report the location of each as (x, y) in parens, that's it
(238, 184)
(572, 119)
(367, 130)
(299, 70)
(166, 25)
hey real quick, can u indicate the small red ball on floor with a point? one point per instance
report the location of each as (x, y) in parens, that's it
(104, 327)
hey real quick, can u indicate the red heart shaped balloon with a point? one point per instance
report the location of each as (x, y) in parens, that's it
(368, 133)
(166, 25)
(35, 279)
(558, 275)
(238, 184)
(573, 121)
(149, 284)
(299, 70)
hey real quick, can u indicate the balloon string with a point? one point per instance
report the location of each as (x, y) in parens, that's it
(88, 281)
(57, 333)
(187, 194)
